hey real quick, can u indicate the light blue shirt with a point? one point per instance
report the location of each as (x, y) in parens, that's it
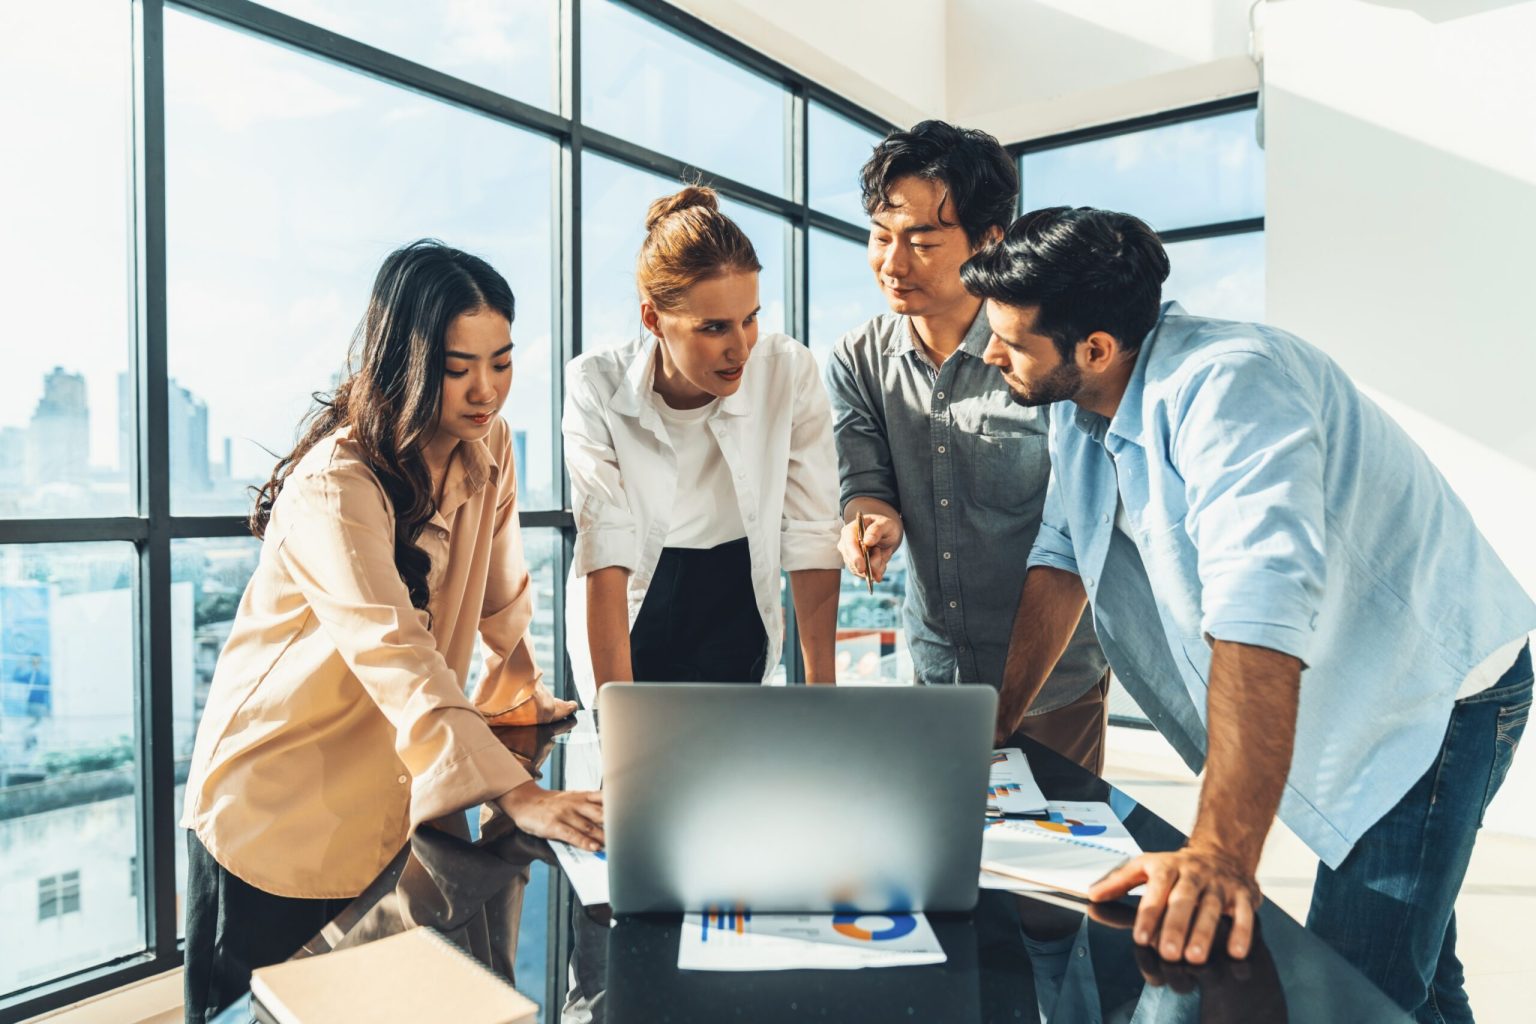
(1270, 503)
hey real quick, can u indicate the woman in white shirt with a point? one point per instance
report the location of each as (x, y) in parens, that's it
(702, 466)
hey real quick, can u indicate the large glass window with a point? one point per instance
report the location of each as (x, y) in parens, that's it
(1198, 180)
(1221, 277)
(1173, 176)
(279, 175)
(644, 82)
(508, 46)
(68, 760)
(613, 228)
(66, 214)
(332, 170)
(837, 149)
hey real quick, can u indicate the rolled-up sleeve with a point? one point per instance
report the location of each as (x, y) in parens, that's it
(340, 554)
(1053, 544)
(1249, 444)
(864, 466)
(605, 526)
(810, 525)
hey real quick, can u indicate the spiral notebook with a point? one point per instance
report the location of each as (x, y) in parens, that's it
(415, 977)
(1057, 854)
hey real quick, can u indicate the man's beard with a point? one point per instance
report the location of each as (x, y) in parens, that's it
(1060, 385)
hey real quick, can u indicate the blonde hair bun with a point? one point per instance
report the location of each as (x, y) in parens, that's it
(687, 198)
(680, 251)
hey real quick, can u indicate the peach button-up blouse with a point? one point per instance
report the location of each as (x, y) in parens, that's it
(337, 720)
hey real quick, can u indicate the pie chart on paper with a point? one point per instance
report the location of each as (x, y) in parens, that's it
(1066, 827)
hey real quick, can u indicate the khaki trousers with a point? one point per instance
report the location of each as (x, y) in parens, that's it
(1076, 731)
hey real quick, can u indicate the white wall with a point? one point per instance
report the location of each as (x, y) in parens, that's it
(1401, 214)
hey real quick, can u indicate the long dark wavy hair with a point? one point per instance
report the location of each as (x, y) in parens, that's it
(393, 392)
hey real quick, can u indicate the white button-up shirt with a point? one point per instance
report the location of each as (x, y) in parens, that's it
(775, 433)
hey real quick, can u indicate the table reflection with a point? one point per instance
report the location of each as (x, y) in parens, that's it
(1018, 957)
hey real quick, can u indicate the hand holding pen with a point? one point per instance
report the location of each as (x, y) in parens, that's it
(858, 525)
(868, 541)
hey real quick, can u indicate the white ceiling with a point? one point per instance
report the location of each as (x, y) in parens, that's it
(1018, 68)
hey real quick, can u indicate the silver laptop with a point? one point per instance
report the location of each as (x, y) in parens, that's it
(794, 799)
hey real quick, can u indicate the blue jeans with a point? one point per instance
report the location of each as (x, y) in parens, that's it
(1390, 908)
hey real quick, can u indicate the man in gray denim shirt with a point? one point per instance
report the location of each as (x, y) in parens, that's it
(930, 445)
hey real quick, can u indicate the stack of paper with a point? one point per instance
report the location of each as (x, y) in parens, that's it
(741, 941)
(1077, 844)
(1011, 787)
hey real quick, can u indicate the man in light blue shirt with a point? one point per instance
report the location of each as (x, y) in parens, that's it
(1286, 584)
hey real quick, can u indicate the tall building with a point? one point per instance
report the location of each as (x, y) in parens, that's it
(13, 457)
(187, 417)
(520, 457)
(189, 440)
(59, 436)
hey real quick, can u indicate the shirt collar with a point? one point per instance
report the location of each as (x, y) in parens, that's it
(1127, 419)
(634, 397)
(904, 339)
(470, 468)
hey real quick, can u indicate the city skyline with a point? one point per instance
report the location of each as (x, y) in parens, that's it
(47, 460)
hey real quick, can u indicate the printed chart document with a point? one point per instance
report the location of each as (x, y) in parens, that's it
(587, 871)
(1067, 852)
(1011, 787)
(743, 941)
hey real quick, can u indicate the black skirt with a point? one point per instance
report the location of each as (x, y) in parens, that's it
(699, 622)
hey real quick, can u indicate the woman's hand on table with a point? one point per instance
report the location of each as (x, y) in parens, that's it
(571, 817)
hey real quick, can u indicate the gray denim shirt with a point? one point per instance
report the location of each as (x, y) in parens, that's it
(967, 468)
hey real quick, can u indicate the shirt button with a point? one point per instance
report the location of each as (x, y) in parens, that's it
(944, 502)
(403, 780)
(941, 449)
(954, 604)
(751, 517)
(1106, 517)
(1089, 582)
(741, 476)
(941, 394)
(946, 554)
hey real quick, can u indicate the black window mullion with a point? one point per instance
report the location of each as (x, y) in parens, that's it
(559, 903)
(798, 318)
(157, 783)
(1148, 122)
(370, 60)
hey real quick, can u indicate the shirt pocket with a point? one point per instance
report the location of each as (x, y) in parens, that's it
(1007, 472)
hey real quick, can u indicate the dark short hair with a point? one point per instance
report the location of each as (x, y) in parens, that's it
(1084, 269)
(980, 176)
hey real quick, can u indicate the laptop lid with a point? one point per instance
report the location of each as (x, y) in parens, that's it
(794, 799)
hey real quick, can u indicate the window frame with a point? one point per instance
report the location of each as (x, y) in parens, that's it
(1130, 126)
(1211, 229)
(154, 528)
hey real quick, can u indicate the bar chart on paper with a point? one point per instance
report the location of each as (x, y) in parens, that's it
(1011, 787)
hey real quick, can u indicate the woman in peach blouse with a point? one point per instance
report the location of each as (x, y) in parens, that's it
(338, 721)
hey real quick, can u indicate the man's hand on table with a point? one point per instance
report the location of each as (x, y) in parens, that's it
(571, 817)
(1187, 894)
